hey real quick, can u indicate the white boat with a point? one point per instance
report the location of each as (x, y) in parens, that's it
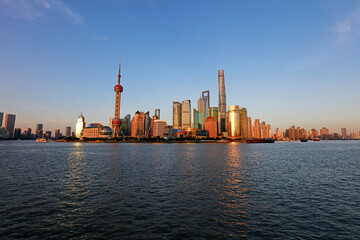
(42, 140)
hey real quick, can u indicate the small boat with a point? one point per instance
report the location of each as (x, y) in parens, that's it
(303, 140)
(265, 140)
(41, 140)
(316, 139)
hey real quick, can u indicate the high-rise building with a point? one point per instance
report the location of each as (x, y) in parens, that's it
(197, 119)
(47, 134)
(67, 131)
(1, 118)
(324, 131)
(257, 129)
(214, 112)
(263, 131)
(250, 128)
(157, 113)
(200, 104)
(138, 125)
(126, 125)
(177, 115)
(233, 121)
(10, 124)
(147, 124)
(27, 132)
(159, 128)
(17, 133)
(243, 123)
(279, 134)
(39, 130)
(268, 129)
(222, 102)
(116, 122)
(57, 133)
(80, 125)
(206, 99)
(186, 114)
(313, 133)
(211, 126)
(343, 133)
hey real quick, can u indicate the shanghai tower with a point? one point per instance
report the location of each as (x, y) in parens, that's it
(222, 102)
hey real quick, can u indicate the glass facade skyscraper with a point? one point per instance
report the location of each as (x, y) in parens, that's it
(176, 115)
(222, 102)
(186, 114)
(197, 119)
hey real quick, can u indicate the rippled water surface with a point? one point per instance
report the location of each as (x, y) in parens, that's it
(180, 191)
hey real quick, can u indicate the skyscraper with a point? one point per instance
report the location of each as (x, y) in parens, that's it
(80, 125)
(116, 120)
(222, 102)
(39, 130)
(159, 128)
(176, 115)
(147, 123)
(67, 131)
(157, 113)
(10, 124)
(249, 126)
(197, 119)
(211, 126)
(206, 99)
(1, 118)
(186, 114)
(243, 123)
(234, 121)
(263, 131)
(138, 125)
(257, 130)
(343, 133)
(57, 133)
(200, 104)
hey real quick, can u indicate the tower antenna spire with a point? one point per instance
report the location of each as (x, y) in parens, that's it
(119, 76)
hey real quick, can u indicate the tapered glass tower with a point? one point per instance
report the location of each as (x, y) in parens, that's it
(222, 102)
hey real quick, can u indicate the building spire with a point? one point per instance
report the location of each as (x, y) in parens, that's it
(119, 76)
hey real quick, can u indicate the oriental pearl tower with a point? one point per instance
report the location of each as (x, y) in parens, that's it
(116, 122)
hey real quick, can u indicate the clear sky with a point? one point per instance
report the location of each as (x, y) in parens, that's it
(289, 62)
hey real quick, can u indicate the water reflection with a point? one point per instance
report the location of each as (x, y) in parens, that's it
(74, 188)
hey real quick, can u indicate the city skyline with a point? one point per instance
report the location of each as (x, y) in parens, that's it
(298, 78)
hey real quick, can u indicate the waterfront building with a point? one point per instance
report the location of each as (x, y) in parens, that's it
(27, 132)
(67, 131)
(138, 125)
(243, 123)
(200, 104)
(211, 126)
(177, 115)
(1, 118)
(157, 113)
(268, 129)
(257, 130)
(39, 130)
(214, 112)
(126, 125)
(72, 134)
(343, 133)
(263, 132)
(186, 114)
(222, 102)
(10, 124)
(168, 131)
(96, 130)
(116, 122)
(313, 133)
(147, 124)
(80, 125)
(324, 131)
(279, 134)
(234, 121)
(197, 119)
(250, 128)
(206, 99)
(17, 133)
(57, 134)
(47, 134)
(159, 128)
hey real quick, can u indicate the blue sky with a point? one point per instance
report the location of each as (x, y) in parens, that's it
(289, 62)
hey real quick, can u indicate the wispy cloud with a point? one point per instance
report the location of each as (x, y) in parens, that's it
(349, 28)
(34, 9)
(100, 38)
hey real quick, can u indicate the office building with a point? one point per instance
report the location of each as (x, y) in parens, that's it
(279, 134)
(206, 99)
(80, 125)
(214, 112)
(211, 126)
(233, 121)
(10, 124)
(343, 133)
(57, 134)
(39, 130)
(186, 114)
(243, 123)
(125, 125)
(257, 129)
(147, 124)
(17, 133)
(1, 118)
(200, 104)
(250, 128)
(47, 134)
(197, 119)
(67, 131)
(313, 133)
(177, 115)
(116, 122)
(159, 128)
(138, 125)
(263, 132)
(157, 113)
(324, 131)
(268, 129)
(222, 102)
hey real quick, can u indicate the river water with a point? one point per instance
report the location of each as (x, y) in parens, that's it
(180, 191)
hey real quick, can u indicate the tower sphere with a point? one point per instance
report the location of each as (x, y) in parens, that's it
(116, 122)
(118, 88)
